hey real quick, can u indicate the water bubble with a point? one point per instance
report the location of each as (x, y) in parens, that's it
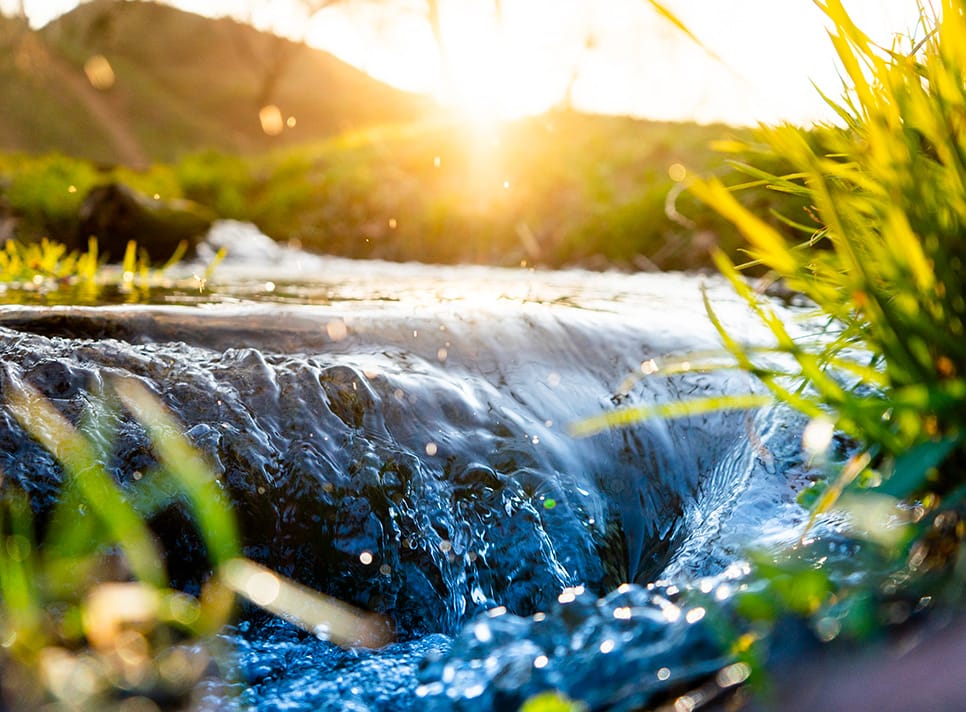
(392, 223)
(441, 354)
(535, 440)
(540, 662)
(385, 569)
(663, 674)
(553, 380)
(269, 286)
(290, 122)
(677, 172)
(539, 616)
(607, 646)
(431, 449)
(446, 546)
(437, 161)
(366, 557)
(623, 613)
(496, 612)
(648, 367)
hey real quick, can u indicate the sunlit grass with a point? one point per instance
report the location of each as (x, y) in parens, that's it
(885, 267)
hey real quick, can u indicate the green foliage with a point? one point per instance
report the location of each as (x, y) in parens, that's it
(561, 189)
(46, 192)
(885, 267)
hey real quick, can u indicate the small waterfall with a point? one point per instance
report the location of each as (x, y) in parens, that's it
(397, 437)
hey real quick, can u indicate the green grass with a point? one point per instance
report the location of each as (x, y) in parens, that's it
(557, 190)
(885, 268)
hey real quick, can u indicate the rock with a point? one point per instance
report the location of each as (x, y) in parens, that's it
(115, 215)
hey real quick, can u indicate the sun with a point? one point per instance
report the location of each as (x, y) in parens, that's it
(488, 65)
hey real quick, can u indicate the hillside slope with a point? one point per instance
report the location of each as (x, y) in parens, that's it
(181, 83)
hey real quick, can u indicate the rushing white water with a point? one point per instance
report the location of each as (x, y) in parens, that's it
(397, 436)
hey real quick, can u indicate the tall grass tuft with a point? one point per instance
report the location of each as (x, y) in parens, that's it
(885, 263)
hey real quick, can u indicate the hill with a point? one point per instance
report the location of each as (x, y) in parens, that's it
(136, 82)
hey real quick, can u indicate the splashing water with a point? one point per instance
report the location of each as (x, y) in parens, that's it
(396, 436)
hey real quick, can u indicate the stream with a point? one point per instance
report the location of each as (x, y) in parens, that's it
(397, 436)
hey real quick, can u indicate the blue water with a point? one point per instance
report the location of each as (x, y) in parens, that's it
(397, 436)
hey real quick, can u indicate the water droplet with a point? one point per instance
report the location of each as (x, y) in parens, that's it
(818, 435)
(263, 588)
(269, 286)
(446, 546)
(336, 329)
(553, 380)
(663, 674)
(733, 675)
(291, 122)
(473, 691)
(441, 354)
(366, 557)
(482, 632)
(540, 662)
(539, 616)
(694, 615)
(431, 449)
(392, 223)
(535, 439)
(607, 646)
(623, 613)
(648, 367)
(385, 569)
(677, 172)
(270, 117)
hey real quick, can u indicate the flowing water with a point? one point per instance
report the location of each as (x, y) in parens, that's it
(397, 436)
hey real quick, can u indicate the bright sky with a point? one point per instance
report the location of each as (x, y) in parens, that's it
(618, 55)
